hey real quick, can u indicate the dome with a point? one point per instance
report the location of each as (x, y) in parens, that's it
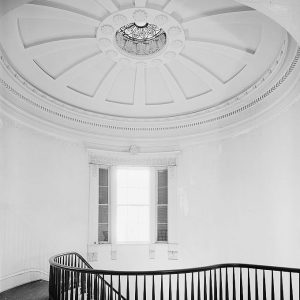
(144, 70)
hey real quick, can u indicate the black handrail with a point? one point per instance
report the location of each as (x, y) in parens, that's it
(213, 282)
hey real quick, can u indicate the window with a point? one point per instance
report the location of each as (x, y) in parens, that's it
(132, 205)
(133, 193)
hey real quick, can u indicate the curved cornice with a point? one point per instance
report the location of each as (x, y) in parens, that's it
(168, 126)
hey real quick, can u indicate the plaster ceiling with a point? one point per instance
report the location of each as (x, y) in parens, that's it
(216, 50)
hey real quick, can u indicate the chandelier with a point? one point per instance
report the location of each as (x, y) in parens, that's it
(141, 40)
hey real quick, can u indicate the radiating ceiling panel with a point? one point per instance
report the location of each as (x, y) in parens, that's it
(243, 36)
(188, 81)
(35, 31)
(223, 66)
(122, 90)
(156, 89)
(97, 68)
(89, 8)
(57, 63)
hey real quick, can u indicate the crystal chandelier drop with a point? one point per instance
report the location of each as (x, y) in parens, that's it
(141, 40)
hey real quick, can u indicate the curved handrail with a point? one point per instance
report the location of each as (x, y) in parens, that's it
(167, 272)
(72, 277)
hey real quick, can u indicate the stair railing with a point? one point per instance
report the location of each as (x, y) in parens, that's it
(71, 277)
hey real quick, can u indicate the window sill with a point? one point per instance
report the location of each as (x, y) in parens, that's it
(150, 250)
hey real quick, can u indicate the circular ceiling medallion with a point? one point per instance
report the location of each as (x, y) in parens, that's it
(141, 40)
(142, 35)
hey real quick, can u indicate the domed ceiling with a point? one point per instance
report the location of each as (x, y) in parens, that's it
(141, 60)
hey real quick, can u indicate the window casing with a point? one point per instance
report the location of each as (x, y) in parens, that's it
(103, 196)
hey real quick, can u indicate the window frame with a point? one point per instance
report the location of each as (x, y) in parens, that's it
(156, 161)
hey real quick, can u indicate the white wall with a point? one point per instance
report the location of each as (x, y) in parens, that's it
(43, 207)
(242, 196)
(238, 201)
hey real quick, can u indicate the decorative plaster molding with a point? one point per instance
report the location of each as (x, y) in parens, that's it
(45, 97)
(112, 158)
(91, 121)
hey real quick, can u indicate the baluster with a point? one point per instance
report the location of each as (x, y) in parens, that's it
(249, 286)
(199, 288)
(153, 288)
(272, 288)
(299, 285)
(233, 285)
(76, 283)
(119, 288)
(264, 286)
(192, 287)
(215, 285)
(95, 286)
(221, 286)
(185, 287)
(241, 285)
(67, 284)
(127, 289)
(111, 288)
(72, 285)
(89, 296)
(226, 286)
(210, 286)
(80, 283)
(291, 287)
(161, 288)
(63, 283)
(59, 271)
(281, 287)
(104, 288)
(145, 289)
(177, 288)
(136, 288)
(256, 286)
(170, 287)
(205, 292)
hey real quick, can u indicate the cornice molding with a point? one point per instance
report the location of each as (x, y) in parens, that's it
(64, 110)
(179, 128)
(115, 158)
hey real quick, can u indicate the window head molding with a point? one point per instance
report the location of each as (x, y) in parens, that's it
(128, 158)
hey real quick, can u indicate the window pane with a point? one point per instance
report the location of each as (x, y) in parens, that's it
(103, 214)
(133, 177)
(103, 233)
(162, 232)
(133, 224)
(103, 177)
(103, 195)
(162, 196)
(162, 214)
(162, 177)
(133, 186)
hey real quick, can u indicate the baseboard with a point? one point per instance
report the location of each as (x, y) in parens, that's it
(22, 277)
